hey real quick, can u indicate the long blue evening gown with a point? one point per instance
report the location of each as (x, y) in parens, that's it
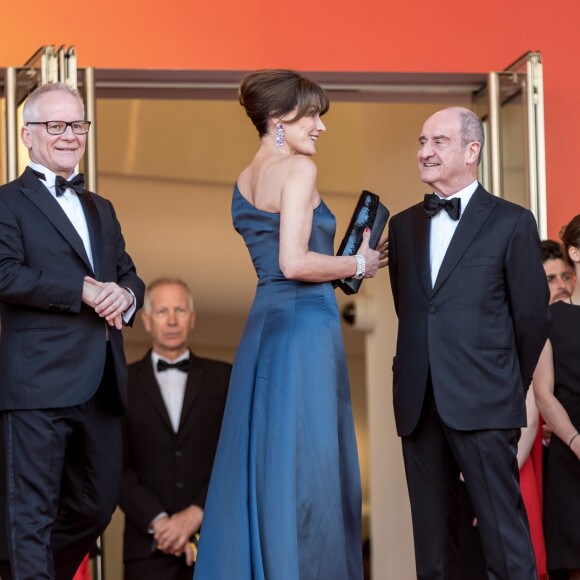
(284, 501)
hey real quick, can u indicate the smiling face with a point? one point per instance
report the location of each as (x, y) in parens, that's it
(301, 136)
(59, 153)
(445, 162)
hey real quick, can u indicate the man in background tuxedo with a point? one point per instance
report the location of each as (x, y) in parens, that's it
(176, 403)
(66, 288)
(471, 296)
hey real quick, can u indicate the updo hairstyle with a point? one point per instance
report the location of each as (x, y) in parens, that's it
(274, 93)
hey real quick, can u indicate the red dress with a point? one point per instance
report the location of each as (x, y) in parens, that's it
(471, 559)
(83, 573)
(531, 485)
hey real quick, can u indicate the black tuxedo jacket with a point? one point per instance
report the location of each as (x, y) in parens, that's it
(166, 471)
(480, 330)
(52, 345)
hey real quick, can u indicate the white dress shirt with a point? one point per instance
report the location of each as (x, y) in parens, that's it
(443, 228)
(172, 386)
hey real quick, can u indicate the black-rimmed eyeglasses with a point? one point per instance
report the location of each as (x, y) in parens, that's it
(59, 127)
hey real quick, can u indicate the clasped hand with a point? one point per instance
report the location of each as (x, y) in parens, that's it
(172, 533)
(108, 299)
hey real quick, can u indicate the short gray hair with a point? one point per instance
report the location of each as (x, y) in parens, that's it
(166, 281)
(31, 105)
(471, 128)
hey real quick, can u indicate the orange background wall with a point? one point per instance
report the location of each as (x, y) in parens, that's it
(336, 35)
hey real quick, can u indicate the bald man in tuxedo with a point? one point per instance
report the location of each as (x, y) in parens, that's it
(471, 297)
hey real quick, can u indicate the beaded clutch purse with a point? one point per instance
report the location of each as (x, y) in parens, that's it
(368, 213)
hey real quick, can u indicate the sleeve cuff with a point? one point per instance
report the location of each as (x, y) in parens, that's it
(128, 314)
(156, 519)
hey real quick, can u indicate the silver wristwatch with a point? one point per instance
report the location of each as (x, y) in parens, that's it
(360, 266)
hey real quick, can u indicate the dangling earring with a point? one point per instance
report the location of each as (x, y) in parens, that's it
(279, 135)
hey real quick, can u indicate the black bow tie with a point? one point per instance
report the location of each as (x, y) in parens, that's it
(77, 184)
(182, 365)
(433, 203)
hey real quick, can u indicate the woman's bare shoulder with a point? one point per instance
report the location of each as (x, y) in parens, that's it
(300, 164)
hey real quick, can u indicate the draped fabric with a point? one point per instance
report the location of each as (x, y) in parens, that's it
(284, 501)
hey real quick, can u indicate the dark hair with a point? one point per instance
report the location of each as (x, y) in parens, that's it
(274, 93)
(551, 250)
(570, 236)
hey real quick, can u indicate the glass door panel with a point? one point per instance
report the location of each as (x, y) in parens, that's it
(511, 108)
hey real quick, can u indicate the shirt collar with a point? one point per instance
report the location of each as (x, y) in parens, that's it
(50, 176)
(464, 194)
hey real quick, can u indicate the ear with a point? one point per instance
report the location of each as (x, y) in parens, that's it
(192, 321)
(574, 254)
(146, 318)
(473, 150)
(26, 136)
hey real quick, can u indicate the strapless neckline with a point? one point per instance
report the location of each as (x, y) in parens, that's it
(272, 213)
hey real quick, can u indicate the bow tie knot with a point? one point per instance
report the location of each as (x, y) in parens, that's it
(433, 204)
(77, 184)
(182, 365)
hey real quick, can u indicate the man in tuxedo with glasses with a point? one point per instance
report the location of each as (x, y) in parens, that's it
(67, 286)
(471, 297)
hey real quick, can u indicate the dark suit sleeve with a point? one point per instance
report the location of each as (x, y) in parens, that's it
(393, 266)
(528, 293)
(44, 289)
(200, 498)
(126, 273)
(220, 373)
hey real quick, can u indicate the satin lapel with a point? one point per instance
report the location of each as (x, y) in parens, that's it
(95, 230)
(151, 390)
(39, 195)
(421, 228)
(477, 212)
(195, 379)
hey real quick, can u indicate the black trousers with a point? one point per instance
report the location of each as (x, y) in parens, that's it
(159, 566)
(434, 456)
(63, 474)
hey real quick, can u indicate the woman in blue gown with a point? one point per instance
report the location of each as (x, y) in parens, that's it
(284, 501)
